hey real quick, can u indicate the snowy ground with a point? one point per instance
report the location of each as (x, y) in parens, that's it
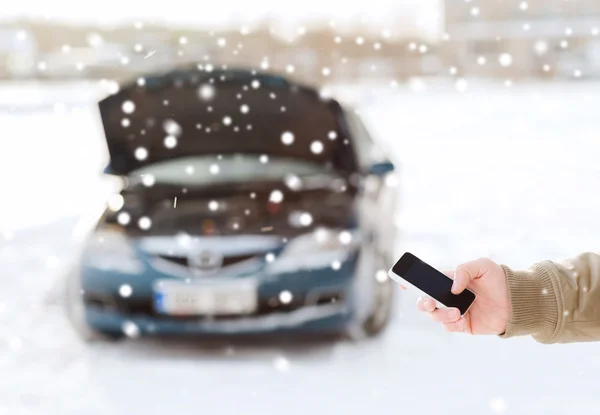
(506, 173)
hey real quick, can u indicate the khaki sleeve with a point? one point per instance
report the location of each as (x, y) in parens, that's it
(556, 303)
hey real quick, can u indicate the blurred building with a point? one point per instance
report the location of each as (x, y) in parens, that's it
(524, 38)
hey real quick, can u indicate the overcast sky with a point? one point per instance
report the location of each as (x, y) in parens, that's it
(399, 16)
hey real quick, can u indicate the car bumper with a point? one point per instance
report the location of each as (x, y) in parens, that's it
(324, 300)
(309, 319)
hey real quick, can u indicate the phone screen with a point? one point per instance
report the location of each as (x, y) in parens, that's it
(432, 282)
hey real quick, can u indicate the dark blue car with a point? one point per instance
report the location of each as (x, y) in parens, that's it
(250, 204)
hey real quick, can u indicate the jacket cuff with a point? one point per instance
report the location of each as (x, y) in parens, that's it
(534, 303)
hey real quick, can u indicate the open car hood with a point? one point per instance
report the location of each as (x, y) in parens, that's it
(195, 112)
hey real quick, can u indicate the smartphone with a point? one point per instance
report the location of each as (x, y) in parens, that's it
(413, 273)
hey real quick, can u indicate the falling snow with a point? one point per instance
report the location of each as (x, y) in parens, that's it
(123, 218)
(505, 60)
(125, 290)
(115, 202)
(213, 205)
(281, 364)
(144, 223)
(285, 297)
(148, 180)
(244, 109)
(214, 169)
(276, 196)
(316, 147)
(130, 329)
(287, 138)
(171, 127)
(128, 107)
(170, 141)
(264, 159)
(206, 92)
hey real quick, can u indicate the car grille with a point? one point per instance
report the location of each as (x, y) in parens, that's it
(227, 261)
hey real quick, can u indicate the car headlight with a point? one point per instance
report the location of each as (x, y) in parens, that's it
(323, 240)
(109, 249)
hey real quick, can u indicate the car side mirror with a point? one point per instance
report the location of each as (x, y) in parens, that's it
(381, 168)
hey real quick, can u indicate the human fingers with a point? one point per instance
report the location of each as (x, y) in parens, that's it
(457, 326)
(426, 305)
(467, 272)
(445, 315)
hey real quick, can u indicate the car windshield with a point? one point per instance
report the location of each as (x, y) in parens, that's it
(199, 170)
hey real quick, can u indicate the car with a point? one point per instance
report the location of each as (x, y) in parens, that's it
(250, 204)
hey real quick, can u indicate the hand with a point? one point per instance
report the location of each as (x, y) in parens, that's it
(490, 311)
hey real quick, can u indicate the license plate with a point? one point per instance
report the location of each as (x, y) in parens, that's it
(188, 299)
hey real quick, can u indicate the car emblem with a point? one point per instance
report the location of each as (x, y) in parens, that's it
(205, 262)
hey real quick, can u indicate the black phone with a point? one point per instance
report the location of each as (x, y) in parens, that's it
(416, 274)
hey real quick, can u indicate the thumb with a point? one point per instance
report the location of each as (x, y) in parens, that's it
(467, 272)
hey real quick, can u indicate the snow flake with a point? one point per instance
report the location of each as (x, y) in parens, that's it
(171, 127)
(475, 11)
(206, 92)
(285, 297)
(148, 180)
(214, 169)
(377, 46)
(130, 329)
(290, 69)
(337, 39)
(523, 5)
(568, 31)
(183, 40)
(423, 49)
(526, 27)
(541, 47)
(270, 257)
(497, 405)
(253, 195)
(281, 364)
(80, 66)
(125, 122)
(564, 44)
(544, 291)
(305, 219)
(227, 120)
(65, 48)
(141, 153)
(144, 223)
(326, 71)
(595, 31)
(453, 70)
(276, 196)
(345, 237)
(546, 68)
(138, 25)
(264, 64)
(283, 108)
(508, 83)
(293, 182)
(208, 67)
(170, 141)
(287, 138)
(565, 313)
(249, 127)
(360, 40)
(505, 60)
(123, 218)
(141, 81)
(336, 265)
(15, 343)
(222, 42)
(316, 147)
(138, 47)
(255, 84)
(381, 276)
(272, 95)
(189, 170)
(332, 135)
(125, 290)
(213, 205)
(577, 73)
(244, 30)
(264, 159)
(128, 107)
(244, 109)
(481, 60)
(42, 66)
(417, 85)
(461, 85)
